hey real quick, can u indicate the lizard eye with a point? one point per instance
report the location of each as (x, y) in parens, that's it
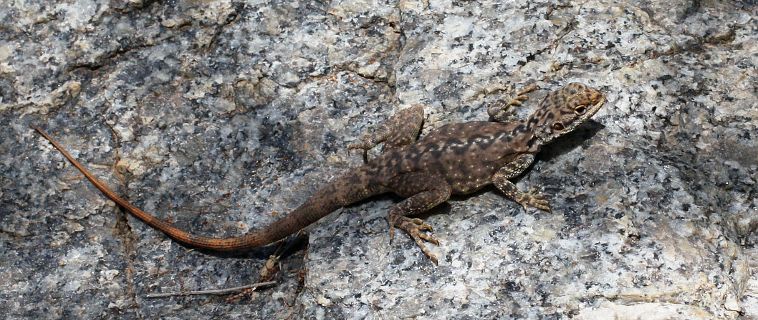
(558, 126)
(580, 109)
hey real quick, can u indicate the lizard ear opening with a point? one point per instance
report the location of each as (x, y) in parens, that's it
(558, 126)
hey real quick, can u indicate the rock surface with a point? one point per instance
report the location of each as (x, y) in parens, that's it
(221, 115)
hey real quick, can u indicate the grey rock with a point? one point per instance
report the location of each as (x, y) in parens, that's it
(219, 116)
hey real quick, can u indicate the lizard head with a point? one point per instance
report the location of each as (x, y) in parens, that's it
(563, 110)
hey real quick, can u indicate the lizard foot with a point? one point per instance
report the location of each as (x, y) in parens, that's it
(400, 130)
(534, 200)
(521, 95)
(502, 112)
(416, 229)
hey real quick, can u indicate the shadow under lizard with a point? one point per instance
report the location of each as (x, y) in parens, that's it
(458, 158)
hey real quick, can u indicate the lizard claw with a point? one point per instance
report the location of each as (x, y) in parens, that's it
(416, 230)
(535, 200)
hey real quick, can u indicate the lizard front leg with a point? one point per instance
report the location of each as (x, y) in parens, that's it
(398, 131)
(502, 112)
(512, 170)
(424, 191)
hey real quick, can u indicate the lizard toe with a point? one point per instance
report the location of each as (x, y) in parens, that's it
(540, 202)
(418, 230)
(429, 238)
(418, 238)
(422, 226)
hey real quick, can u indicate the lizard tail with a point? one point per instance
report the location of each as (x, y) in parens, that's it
(326, 200)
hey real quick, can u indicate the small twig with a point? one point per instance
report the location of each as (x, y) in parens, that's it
(209, 292)
(270, 268)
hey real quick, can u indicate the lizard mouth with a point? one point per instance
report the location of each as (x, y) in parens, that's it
(598, 100)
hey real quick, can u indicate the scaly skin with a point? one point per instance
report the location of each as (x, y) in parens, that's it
(453, 159)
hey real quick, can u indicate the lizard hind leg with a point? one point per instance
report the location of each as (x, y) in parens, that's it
(424, 192)
(400, 130)
(502, 112)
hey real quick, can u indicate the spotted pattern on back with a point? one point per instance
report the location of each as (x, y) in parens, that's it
(467, 154)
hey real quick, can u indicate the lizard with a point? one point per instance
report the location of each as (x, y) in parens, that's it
(454, 159)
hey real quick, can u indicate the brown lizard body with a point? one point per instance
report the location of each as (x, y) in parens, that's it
(453, 159)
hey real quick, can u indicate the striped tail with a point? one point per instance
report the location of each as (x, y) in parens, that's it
(343, 191)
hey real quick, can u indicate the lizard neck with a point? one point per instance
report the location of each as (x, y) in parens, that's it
(534, 125)
(517, 136)
(528, 139)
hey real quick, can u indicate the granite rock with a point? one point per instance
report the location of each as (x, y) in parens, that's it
(220, 116)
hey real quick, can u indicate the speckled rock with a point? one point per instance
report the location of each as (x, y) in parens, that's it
(220, 116)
